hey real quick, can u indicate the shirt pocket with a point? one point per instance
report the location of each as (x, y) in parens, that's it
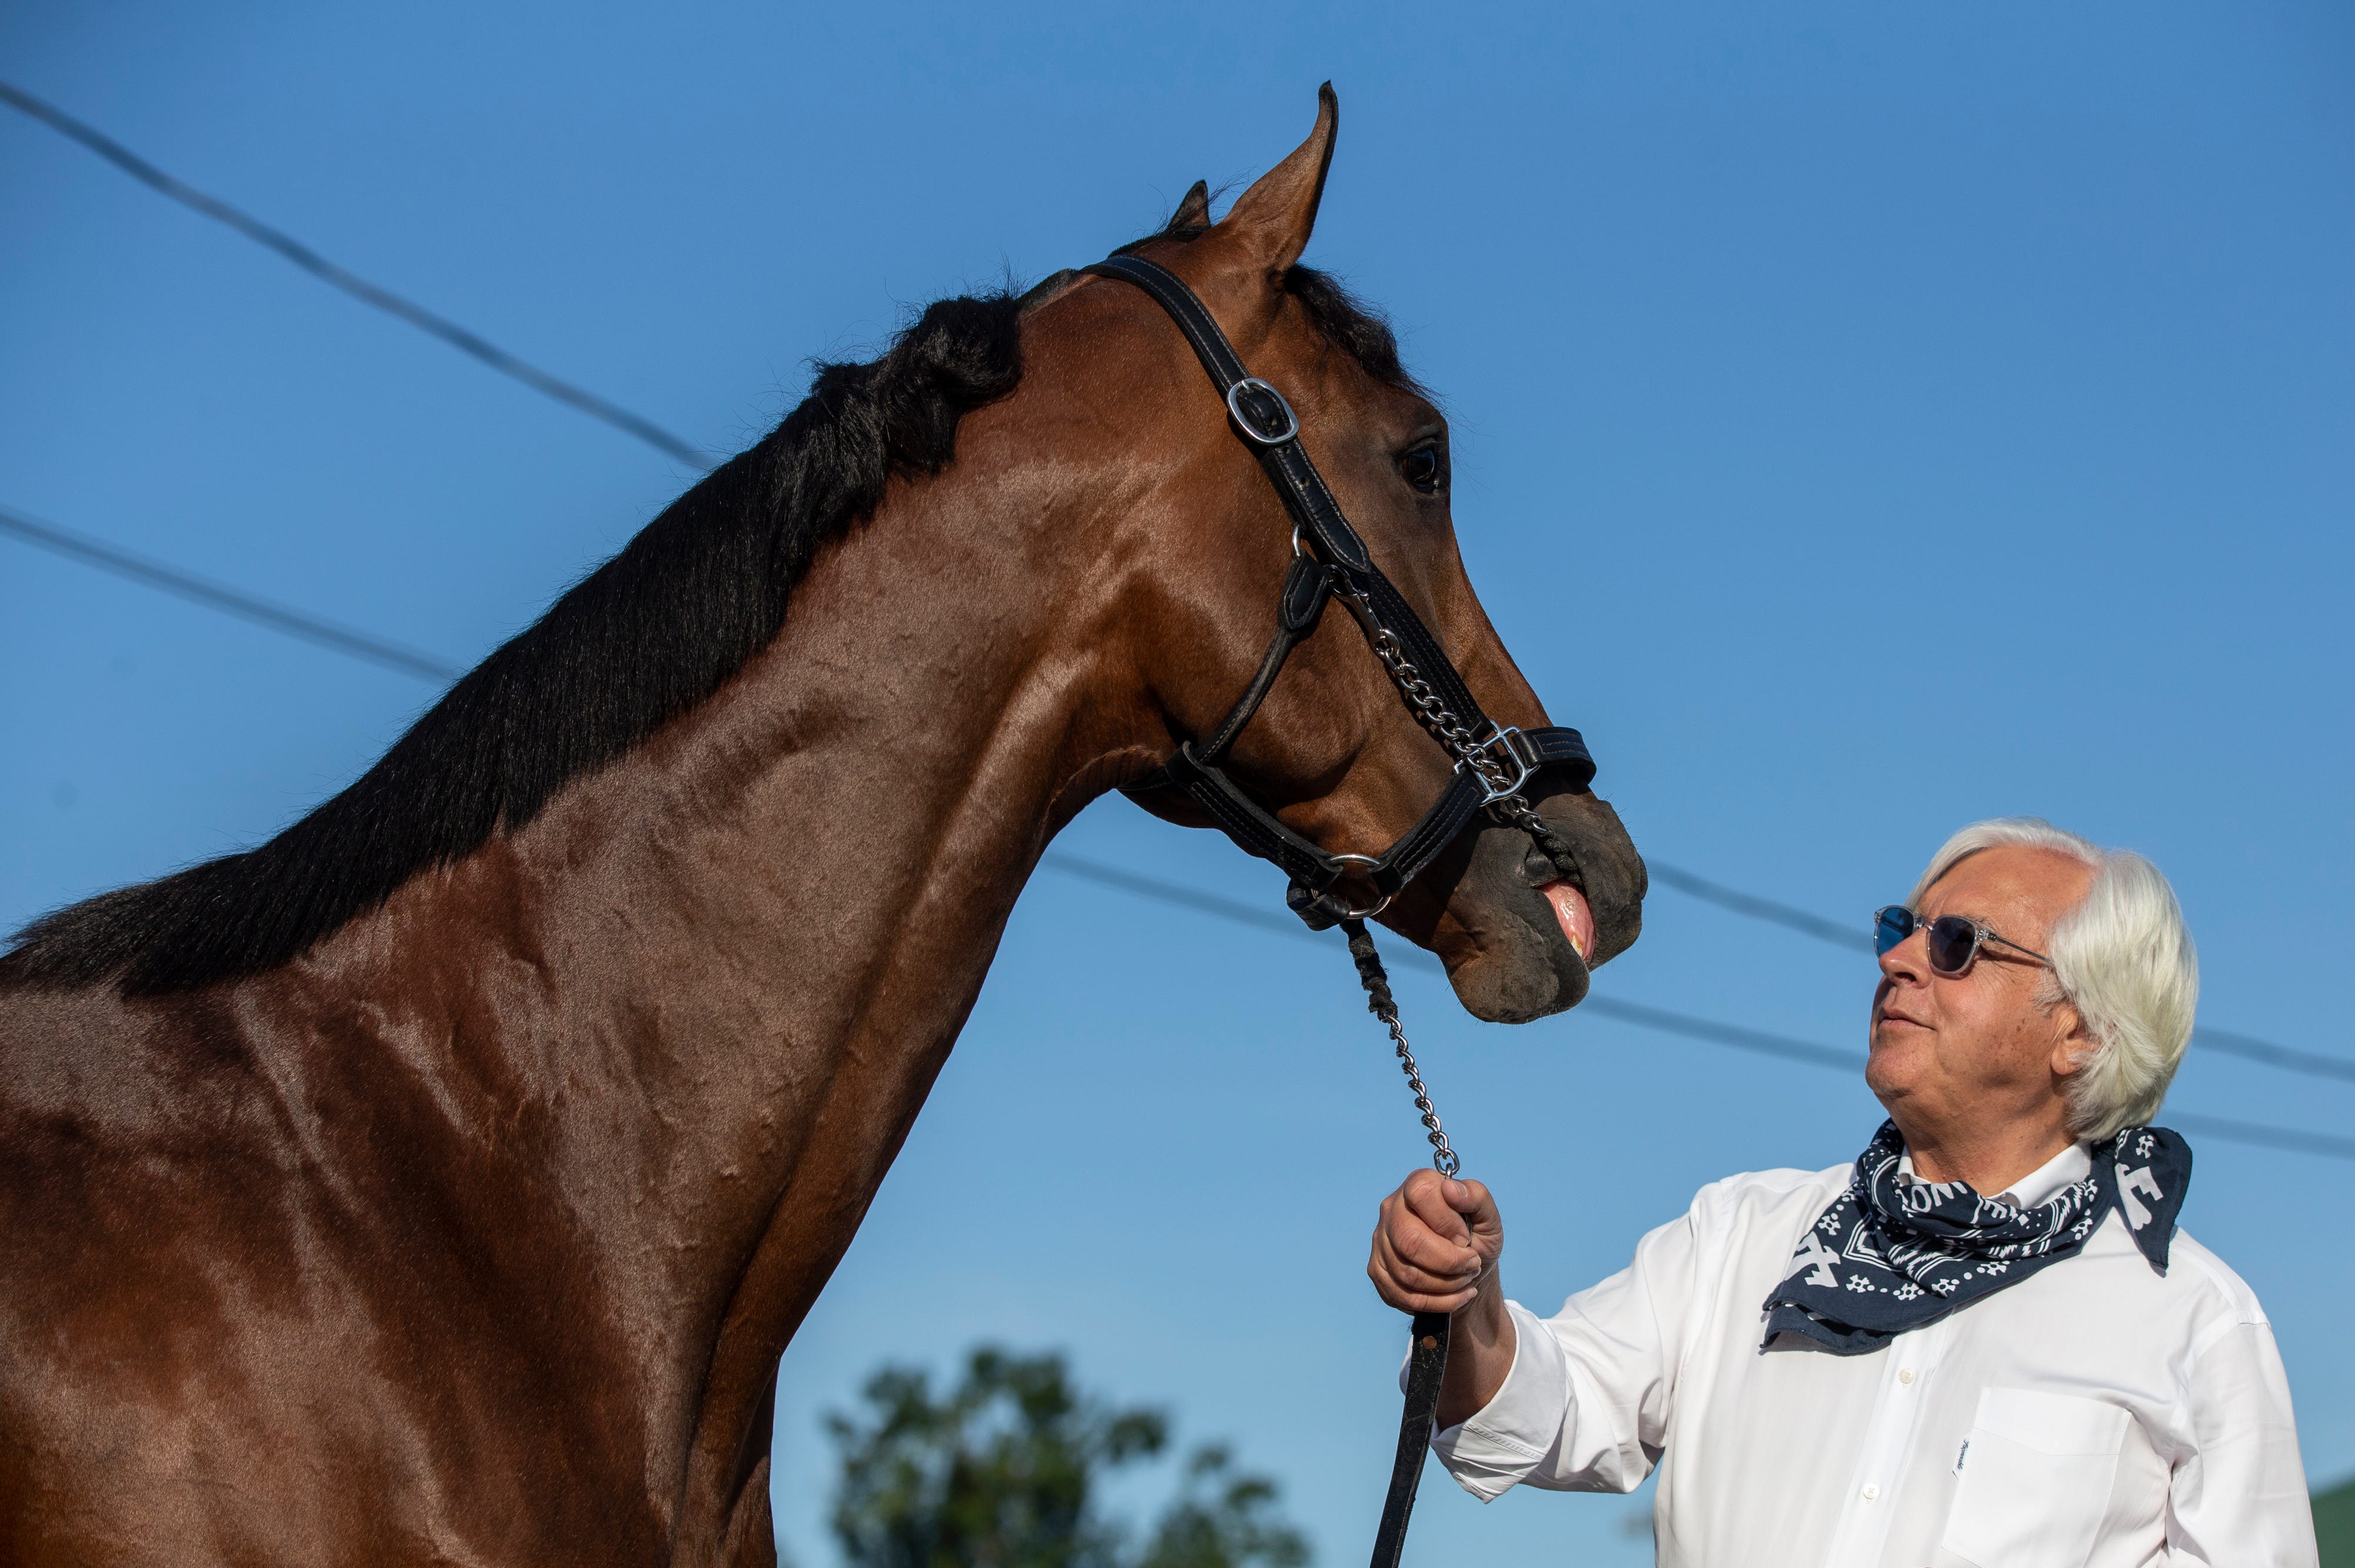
(2034, 1479)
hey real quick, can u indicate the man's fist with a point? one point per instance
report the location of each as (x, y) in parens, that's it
(1436, 1242)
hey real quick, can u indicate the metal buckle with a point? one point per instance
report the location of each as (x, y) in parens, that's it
(1371, 863)
(1482, 752)
(1253, 432)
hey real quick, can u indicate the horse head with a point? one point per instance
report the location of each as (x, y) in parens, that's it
(1204, 544)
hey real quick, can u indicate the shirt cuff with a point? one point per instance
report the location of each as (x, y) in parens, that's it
(1512, 1434)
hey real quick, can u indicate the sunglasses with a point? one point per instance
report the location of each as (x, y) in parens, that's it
(1953, 941)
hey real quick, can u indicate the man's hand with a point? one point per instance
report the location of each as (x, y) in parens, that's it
(1437, 1240)
(1435, 1250)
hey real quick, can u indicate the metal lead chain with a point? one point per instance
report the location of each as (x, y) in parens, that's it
(1380, 1003)
(1456, 737)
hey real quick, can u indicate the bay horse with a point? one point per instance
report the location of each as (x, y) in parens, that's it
(441, 1181)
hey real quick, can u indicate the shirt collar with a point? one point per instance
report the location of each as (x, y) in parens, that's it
(2039, 1185)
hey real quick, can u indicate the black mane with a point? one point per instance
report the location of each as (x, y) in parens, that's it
(643, 638)
(646, 636)
(1350, 324)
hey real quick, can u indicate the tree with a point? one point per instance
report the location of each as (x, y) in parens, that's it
(1002, 1473)
(1223, 1520)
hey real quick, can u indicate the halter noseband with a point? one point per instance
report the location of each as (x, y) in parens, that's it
(1493, 762)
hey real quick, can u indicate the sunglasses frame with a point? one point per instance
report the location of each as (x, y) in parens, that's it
(1981, 934)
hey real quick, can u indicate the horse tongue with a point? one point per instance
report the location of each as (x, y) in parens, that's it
(1576, 920)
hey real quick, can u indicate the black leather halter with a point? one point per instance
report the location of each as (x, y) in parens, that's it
(1493, 762)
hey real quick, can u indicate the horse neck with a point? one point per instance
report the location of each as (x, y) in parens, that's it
(718, 977)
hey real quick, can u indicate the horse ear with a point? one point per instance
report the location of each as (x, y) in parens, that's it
(1194, 211)
(1272, 218)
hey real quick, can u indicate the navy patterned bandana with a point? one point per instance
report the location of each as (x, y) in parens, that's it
(1893, 1253)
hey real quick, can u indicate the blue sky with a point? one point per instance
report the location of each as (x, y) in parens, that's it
(1869, 418)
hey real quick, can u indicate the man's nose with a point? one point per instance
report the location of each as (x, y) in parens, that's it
(1908, 963)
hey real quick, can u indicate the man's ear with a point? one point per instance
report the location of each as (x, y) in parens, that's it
(1270, 222)
(2073, 1044)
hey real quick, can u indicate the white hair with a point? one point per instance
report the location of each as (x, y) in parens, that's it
(2121, 956)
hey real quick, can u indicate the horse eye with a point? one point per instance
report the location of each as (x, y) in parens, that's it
(1424, 468)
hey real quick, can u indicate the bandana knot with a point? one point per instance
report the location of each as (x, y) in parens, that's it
(1893, 1253)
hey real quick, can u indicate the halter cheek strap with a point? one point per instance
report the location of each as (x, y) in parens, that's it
(1493, 763)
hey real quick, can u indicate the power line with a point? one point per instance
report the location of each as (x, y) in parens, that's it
(2286, 1057)
(2322, 1143)
(352, 284)
(1252, 914)
(1689, 1025)
(358, 644)
(2231, 1042)
(1751, 906)
(344, 639)
(406, 660)
(1230, 909)
(1753, 1040)
(278, 617)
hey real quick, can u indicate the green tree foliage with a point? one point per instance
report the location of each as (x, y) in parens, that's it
(1223, 1520)
(1002, 1473)
(2334, 1525)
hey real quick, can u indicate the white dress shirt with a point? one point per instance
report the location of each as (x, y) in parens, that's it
(2096, 1414)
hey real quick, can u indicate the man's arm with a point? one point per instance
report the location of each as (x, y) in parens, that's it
(1435, 1250)
(1575, 1402)
(2242, 1498)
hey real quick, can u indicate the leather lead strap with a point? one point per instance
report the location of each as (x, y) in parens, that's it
(1426, 1368)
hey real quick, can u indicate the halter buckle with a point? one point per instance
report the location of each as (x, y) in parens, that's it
(1489, 767)
(1250, 427)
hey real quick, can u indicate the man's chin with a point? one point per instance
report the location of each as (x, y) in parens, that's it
(1894, 1065)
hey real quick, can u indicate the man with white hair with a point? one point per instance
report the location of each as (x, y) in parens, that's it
(1986, 1342)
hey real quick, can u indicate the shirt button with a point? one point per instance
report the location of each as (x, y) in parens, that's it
(1905, 1374)
(1872, 1490)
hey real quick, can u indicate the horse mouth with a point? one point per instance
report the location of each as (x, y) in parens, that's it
(1572, 913)
(1534, 928)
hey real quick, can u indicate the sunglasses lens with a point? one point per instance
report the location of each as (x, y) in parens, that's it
(1891, 926)
(1953, 940)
